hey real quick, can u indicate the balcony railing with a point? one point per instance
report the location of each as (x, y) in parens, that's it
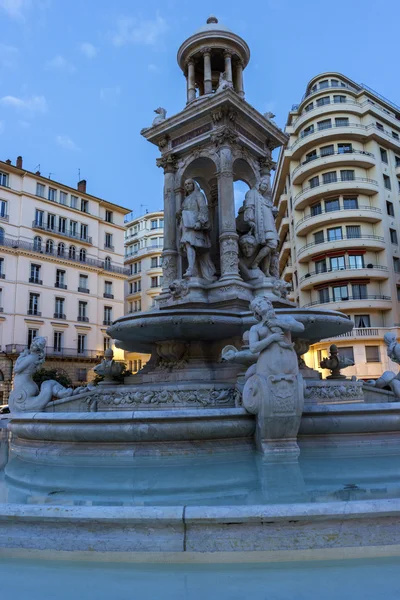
(378, 238)
(345, 268)
(83, 319)
(107, 322)
(59, 315)
(145, 250)
(109, 247)
(57, 353)
(344, 153)
(35, 280)
(361, 331)
(92, 262)
(83, 290)
(305, 134)
(329, 86)
(4, 217)
(323, 212)
(337, 180)
(68, 234)
(347, 299)
(34, 312)
(60, 285)
(109, 296)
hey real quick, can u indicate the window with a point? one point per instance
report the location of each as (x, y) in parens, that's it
(161, 223)
(83, 284)
(347, 352)
(327, 150)
(82, 255)
(397, 160)
(341, 122)
(74, 201)
(384, 155)
(61, 249)
(395, 135)
(379, 126)
(330, 177)
(155, 282)
(85, 206)
(307, 131)
(337, 263)
(59, 308)
(335, 233)
(60, 279)
(51, 222)
(35, 274)
(81, 373)
(309, 107)
(108, 241)
(39, 218)
(3, 209)
(63, 198)
(325, 124)
(396, 264)
(393, 236)
(323, 84)
(320, 266)
(52, 194)
(345, 148)
(37, 243)
(362, 321)
(109, 217)
(107, 263)
(72, 252)
(390, 209)
(398, 293)
(349, 203)
(154, 262)
(34, 304)
(84, 232)
(137, 286)
(137, 306)
(2, 274)
(323, 295)
(153, 224)
(58, 341)
(154, 242)
(32, 333)
(316, 209)
(340, 292)
(137, 365)
(386, 182)
(356, 261)
(107, 315)
(4, 179)
(347, 175)
(49, 247)
(338, 99)
(331, 205)
(82, 310)
(314, 182)
(137, 267)
(323, 101)
(372, 354)
(319, 237)
(335, 82)
(108, 289)
(73, 228)
(353, 231)
(106, 343)
(40, 190)
(359, 291)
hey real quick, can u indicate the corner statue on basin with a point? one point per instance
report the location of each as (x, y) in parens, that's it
(389, 379)
(274, 388)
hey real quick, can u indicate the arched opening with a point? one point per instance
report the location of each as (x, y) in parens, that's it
(37, 243)
(1, 235)
(72, 252)
(82, 255)
(61, 249)
(49, 246)
(107, 263)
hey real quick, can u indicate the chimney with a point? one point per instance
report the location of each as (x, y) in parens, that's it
(37, 173)
(82, 186)
(19, 162)
(8, 161)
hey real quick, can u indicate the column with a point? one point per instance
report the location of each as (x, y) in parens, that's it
(170, 253)
(228, 65)
(191, 91)
(228, 237)
(239, 79)
(207, 71)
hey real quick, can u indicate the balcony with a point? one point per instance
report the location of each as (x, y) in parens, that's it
(143, 251)
(368, 301)
(33, 312)
(370, 271)
(59, 316)
(56, 353)
(319, 90)
(109, 296)
(287, 273)
(371, 242)
(355, 158)
(71, 235)
(82, 319)
(349, 107)
(109, 247)
(359, 185)
(83, 290)
(354, 131)
(369, 214)
(60, 285)
(107, 322)
(35, 280)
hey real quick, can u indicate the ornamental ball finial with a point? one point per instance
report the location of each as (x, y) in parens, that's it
(212, 19)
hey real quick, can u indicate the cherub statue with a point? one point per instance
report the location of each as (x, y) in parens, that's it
(109, 368)
(393, 347)
(161, 116)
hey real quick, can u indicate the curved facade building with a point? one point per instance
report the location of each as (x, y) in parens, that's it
(337, 189)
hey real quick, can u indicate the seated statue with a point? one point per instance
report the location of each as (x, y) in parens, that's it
(223, 83)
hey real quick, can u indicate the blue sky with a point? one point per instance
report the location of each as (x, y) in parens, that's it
(80, 78)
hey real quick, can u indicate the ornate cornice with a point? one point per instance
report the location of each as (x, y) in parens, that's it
(168, 162)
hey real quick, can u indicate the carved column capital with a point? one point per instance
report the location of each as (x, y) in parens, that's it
(162, 143)
(224, 136)
(266, 165)
(168, 162)
(227, 53)
(206, 50)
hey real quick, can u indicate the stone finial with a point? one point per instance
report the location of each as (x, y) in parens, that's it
(212, 19)
(335, 363)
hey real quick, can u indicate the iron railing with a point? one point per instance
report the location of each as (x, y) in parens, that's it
(342, 239)
(345, 268)
(56, 353)
(347, 299)
(67, 234)
(337, 180)
(317, 156)
(323, 212)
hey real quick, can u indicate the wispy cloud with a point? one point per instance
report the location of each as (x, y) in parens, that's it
(8, 56)
(59, 63)
(65, 142)
(33, 104)
(110, 95)
(88, 50)
(15, 9)
(138, 31)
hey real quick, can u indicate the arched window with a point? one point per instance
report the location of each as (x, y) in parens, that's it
(37, 243)
(1, 235)
(61, 249)
(49, 246)
(107, 263)
(82, 255)
(72, 252)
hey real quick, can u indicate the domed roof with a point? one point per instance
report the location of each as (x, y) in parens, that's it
(213, 25)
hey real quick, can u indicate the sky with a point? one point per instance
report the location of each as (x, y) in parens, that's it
(79, 79)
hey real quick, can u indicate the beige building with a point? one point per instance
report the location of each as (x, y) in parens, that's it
(144, 243)
(61, 271)
(337, 189)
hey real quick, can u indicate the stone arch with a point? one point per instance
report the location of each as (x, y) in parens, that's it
(243, 170)
(49, 247)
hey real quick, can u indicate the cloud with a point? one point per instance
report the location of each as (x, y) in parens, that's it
(15, 9)
(138, 31)
(88, 50)
(8, 56)
(33, 104)
(65, 142)
(110, 95)
(59, 63)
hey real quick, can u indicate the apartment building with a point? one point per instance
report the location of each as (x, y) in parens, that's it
(337, 188)
(61, 271)
(143, 248)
